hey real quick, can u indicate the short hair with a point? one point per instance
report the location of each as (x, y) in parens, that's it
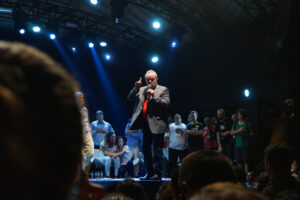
(221, 109)
(99, 112)
(227, 191)
(194, 112)
(120, 137)
(40, 125)
(279, 157)
(116, 196)
(131, 189)
(207, 120)
(201, 168)
(164, 191)
(240, 174)
(151, 71)
(177, 115)
(78, 93)
(242, 111)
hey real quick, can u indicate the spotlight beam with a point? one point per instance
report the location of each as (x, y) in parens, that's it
(107, 86)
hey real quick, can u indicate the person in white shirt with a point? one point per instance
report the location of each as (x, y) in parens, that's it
(109, 148)
(176, 141)
(126, 166)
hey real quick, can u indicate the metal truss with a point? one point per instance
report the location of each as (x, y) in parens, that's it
(187, 15)
(178, 12)
(68, 16)
(255, 8)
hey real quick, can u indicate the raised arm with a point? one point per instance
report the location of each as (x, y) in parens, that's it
(193, 132)
(132, 96)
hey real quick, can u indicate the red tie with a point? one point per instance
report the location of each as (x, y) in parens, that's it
(145, 106)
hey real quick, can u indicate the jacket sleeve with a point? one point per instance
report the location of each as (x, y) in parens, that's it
(132, 96)
(162, 100)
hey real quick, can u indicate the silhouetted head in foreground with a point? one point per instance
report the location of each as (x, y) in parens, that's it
(40, 127)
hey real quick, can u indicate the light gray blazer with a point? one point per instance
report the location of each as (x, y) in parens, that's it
(157, 109)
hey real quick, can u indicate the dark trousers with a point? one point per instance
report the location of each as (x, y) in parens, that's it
(155, 142)
(126, 168)
(241, 155)
(174, 154)
(228, 147)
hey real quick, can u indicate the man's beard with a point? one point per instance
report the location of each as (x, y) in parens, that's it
(152, 86)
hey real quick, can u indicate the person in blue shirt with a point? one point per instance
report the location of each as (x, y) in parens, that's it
(133, 143)
(99, 128)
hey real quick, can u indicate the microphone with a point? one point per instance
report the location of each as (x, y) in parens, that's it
(147, 93)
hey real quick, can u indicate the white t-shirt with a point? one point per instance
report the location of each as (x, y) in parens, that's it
(177, 140)
(111, 149)
(125, 157)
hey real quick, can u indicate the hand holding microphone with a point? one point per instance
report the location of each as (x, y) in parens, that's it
(150, 92)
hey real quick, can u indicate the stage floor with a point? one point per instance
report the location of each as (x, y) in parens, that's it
(151, 187)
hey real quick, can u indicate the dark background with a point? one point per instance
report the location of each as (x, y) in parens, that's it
(205, 75)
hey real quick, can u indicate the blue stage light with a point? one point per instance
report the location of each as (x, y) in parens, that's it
(156, 24)
(154, 59)
(91, 45)
(246, 93)
(107, 56)
(74, 50)
(94, 2)
(36, 29)
(22, 31)
(52, 36)
(103, 44)
(173, 44)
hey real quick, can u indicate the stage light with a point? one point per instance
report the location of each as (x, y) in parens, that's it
(154, 59)
(52, 36)
(5, 10)
(107, 56)
(103, 44)
(74, 50)
(173, 44)
(22, 31)
(36, 29)
(94, 2)
(91, 45)
(246, 93)
(156, 24)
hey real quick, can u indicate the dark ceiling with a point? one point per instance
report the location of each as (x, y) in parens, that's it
(184, 20)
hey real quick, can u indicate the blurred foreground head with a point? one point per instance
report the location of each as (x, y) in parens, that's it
(40, 127)
(227, 191)
(201, 168)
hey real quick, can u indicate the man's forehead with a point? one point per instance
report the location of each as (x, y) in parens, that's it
(150, 75)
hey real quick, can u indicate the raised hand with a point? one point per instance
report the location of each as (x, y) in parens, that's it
(138, 84)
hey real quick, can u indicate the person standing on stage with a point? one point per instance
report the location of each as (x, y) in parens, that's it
(88, 144)
(99, 128)
(241, 136)
(194, 133)
(176, 140)
(151, 115)
(133, 139)
(223, 129)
